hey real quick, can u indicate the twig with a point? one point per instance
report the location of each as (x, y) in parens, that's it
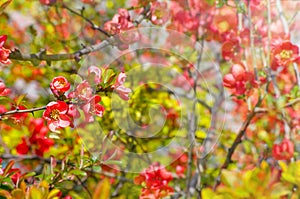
(22, 111)
(94, 26)
(237, 141)
(282, 18)
(35, 58)
(252, 42)
(42, 56)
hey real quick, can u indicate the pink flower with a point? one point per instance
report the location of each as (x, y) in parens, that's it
(184, 81)
(3, 90)
(56, 115)
(119, 22)
(123, 92)
(120, 79)
(73, 111)
(159, 13)
(84, 91)
(4, 53)
(59, 85)
(96, 72)
(93, 108)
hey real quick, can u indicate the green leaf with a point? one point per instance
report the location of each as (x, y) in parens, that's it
(108, 76)
(221, 3)
(8, 167)
(78, 172)
(20, 99)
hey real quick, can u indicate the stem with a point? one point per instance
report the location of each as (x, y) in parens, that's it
(22, 111)
(252, 42)
(237, 141)
(282, 18)
(95, 27)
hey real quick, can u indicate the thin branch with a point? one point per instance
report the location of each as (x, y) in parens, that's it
(282, 17)
(22, 111)
(237, 141)
(36, 58)
(252, 42)
(42, 56)
(94, 26)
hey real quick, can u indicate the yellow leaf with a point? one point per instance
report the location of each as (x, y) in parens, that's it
(4, 5)
(102, 190)
(53, 193)
(6, 194)
(18, 193)
(35, 194)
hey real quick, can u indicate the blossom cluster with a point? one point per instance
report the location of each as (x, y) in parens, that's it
(155, 180)
(38, 141)
(4, 53)
(63, 112)
(284, 150)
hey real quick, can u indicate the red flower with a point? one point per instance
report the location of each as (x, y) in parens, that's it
(93, 108)
(156, 179)
(23, 147)
(284, 54)
(3, 90)
(88, 1)
(4, 53)
(38, 140)
(59, 85)
(56, 115)
(239, 79)
(47, 2)
(284, 150)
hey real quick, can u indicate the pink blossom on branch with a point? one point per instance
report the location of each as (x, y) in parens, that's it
(119, 87)
(92, 107)
(3, 90)
(96, 73)
(4, 53)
